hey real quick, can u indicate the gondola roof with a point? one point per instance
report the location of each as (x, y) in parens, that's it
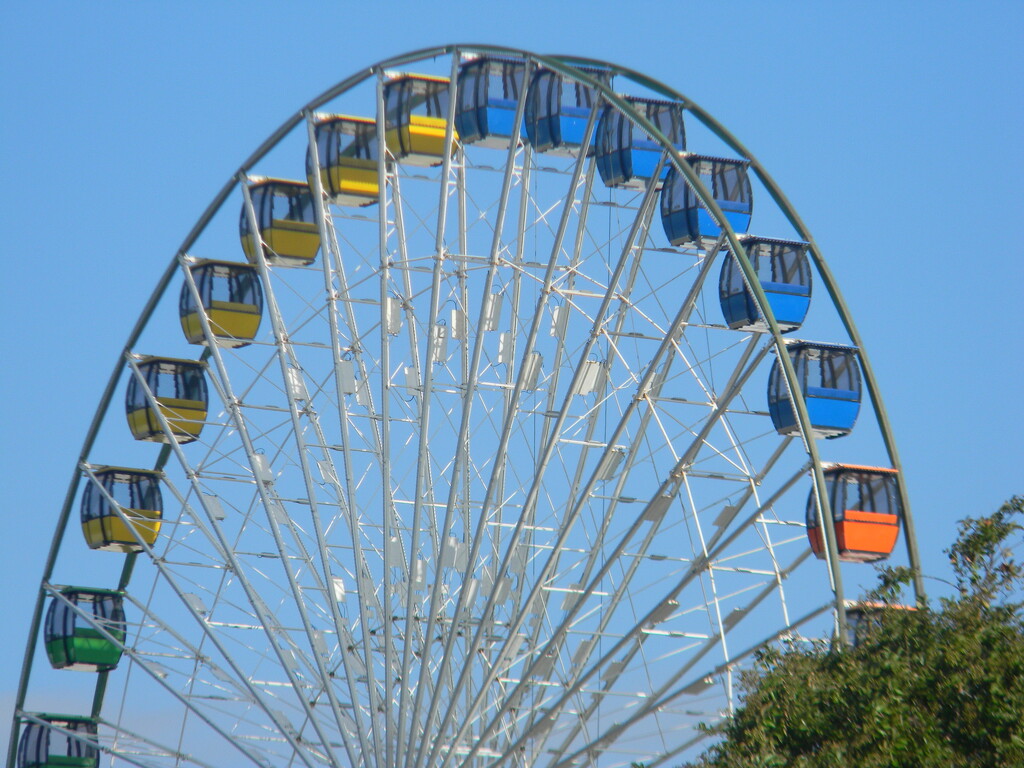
(798, 344)
(143, 359)
(127, 470)
(631, 99)
(89, 590)
(746, 237)
(397, 77)
(258, 181)
(584, 68)
(473, 58)
(714, 158)
(200, 262)
(322, 118)
(836, 467)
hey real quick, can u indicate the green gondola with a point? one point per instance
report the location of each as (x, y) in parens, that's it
(74, 640)
(62, 741)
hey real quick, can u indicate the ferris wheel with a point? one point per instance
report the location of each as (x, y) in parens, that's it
(470, 429)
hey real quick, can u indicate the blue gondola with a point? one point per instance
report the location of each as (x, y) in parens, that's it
(489, 91)
(43, 746)
(558, 109)
(829, 380)
(687, 221)
(785, 275)
(626, 155)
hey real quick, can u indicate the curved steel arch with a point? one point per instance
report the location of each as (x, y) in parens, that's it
(567, 65)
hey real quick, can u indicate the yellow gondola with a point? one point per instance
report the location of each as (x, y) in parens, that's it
(137, 493)
(287, 224)
(179, 388)
(232, 297)
(347, 150)
(416, 118)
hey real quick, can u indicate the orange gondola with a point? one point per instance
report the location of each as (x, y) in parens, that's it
(865, 509)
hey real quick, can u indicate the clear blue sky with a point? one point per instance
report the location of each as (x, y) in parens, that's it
(894, 128)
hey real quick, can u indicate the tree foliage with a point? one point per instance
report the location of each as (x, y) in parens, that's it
(923, 687)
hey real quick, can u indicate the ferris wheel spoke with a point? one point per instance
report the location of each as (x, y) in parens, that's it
(423, 495)
(367, 596)
(469, 365)
(391, 538)
(629, 249)
(532, 495)
(535, 596)
(573, 603)
(694, 686)
(154, 750)
(279, 641)
(570, 282)
(709, 584)
(325, 585)
(295, 387)
(651, 390)
(240, 679)
(596, 412)
(460, 457)
(157, 673)
(609, 606)
(334, 273)
(669, 490)
(665, 695)
(633, 451)
(641, 224)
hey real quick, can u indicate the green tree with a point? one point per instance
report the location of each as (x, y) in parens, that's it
(926, 687)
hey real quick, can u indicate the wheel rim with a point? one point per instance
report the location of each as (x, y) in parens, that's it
(608, 424)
